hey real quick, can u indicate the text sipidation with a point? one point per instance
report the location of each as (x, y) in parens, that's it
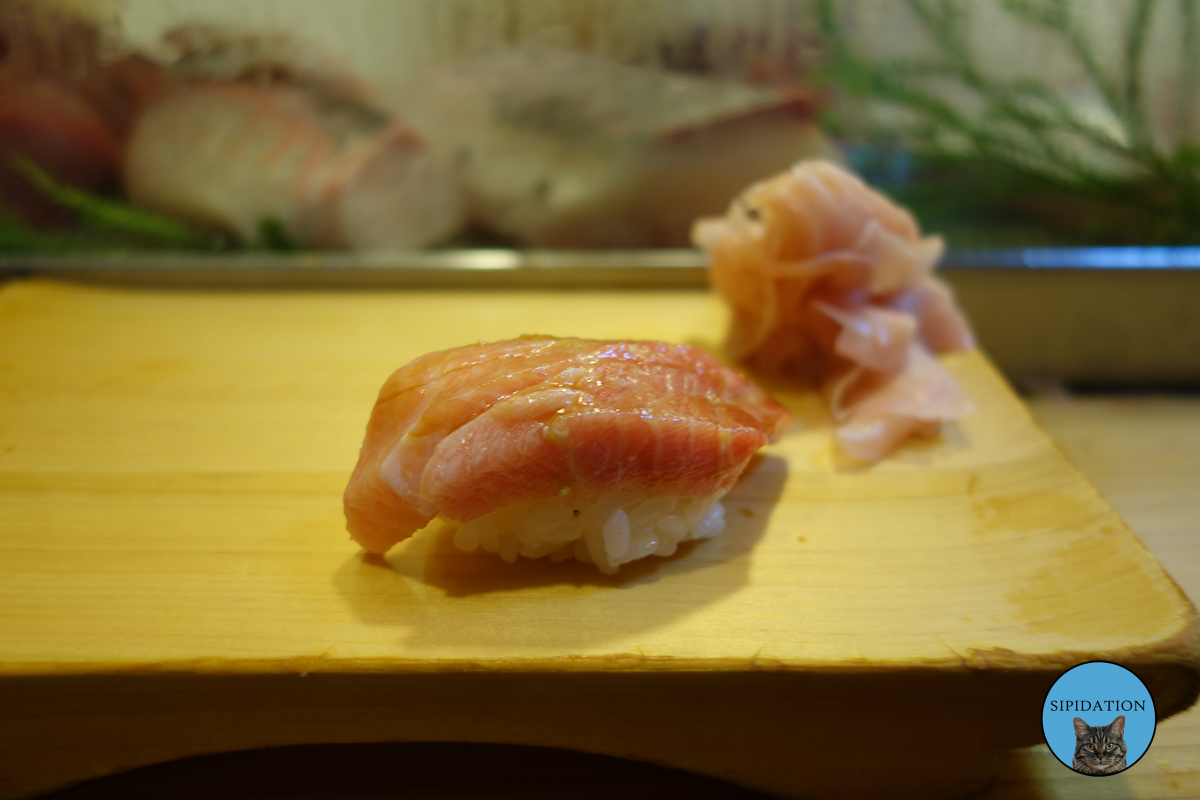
(1097, 705)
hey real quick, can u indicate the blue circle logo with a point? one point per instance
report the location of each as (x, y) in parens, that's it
(1098, 718)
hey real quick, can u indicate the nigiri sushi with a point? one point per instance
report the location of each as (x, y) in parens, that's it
(831, 282)
(605, 451)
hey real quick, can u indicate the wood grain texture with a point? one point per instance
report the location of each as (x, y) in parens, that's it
(1143, 455)
(175, 577)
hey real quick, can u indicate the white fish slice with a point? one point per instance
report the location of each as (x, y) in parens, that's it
(561, 149)
(314, 156)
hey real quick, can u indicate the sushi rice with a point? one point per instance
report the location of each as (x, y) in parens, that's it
(608, 531)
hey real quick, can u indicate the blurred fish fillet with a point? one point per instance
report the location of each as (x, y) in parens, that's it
(560, 149)
(68, 96)
(313, 157)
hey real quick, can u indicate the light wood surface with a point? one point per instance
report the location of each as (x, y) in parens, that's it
(1143, 455)
(174, 578)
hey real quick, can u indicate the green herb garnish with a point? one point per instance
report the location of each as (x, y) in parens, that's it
(1110, 182)
(100, 223)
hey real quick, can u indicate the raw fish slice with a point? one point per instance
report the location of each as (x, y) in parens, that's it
(831, 282)
(441, 391)
(53, 126)
(215, 53)
(562, 149)
(464, 432)
(531, 447)
(67, 100)
(261, 130)
(235, 155)
(418, 405)
(74, 47)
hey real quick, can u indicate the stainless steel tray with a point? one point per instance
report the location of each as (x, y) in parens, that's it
(408, 268)
(1109, 315)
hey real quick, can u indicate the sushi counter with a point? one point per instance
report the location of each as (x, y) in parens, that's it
(175, 577)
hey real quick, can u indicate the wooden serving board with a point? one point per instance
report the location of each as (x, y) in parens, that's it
(175, 577)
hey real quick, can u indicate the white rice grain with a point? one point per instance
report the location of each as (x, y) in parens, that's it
(608, 530)
(616, 534)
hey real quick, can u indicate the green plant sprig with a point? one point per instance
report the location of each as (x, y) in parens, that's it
(110, 217)
(1025, 123)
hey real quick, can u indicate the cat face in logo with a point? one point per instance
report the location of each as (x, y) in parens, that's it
(1099, 750)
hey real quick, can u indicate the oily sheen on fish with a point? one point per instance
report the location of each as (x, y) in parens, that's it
(464, 432)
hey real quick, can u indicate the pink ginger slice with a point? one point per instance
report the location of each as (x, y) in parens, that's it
(831, 282)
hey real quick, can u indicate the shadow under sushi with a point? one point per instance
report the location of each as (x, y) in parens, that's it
(446, 597)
